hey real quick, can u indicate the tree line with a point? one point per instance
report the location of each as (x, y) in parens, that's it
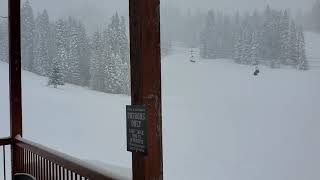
(310, 19)
(63, 51)
(270, 37)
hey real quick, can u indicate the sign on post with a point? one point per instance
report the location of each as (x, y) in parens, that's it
(137, 131)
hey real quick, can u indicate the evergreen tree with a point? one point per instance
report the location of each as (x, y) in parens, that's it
(42, 60)
(267, 36)
(56, 77)
(276, 38)
(294, 53)
(27, 36)
(112, 51)
(125, 58)
(124, 41)
(4, 46)
(116, 51)
(285, 38)
(114, 73)
(107, 63)
(314, 16)
(114, 33)
(208, 37)
(254, 49)
(302, 59)
(97, 75)
(238, 50)
(52, 44)
(61, 56)
(246, 48)
(73, 74)
(85, 54)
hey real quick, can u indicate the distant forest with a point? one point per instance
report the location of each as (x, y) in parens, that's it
(310, 20)
(271, 37)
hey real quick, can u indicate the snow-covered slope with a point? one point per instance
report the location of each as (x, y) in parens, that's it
(219, 121)
(72, 119)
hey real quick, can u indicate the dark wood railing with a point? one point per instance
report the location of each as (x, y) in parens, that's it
(47, 164)
(5, 141)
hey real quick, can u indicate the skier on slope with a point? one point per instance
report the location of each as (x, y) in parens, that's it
(257, 71)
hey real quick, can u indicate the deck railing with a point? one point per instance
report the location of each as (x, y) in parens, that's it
(3, 143)
(47, 164)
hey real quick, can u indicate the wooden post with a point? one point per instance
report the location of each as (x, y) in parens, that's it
(145, 56)
(15, 78)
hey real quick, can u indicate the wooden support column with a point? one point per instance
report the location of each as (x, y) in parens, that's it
(15, 77)
(145, 58)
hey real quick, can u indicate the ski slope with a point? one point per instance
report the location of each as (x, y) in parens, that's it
(219, 121)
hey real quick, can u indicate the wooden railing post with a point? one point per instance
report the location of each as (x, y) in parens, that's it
(15, 78)
(145, 59)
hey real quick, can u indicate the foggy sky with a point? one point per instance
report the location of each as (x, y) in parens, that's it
(96, 12)
(241, 5)
(87, 6)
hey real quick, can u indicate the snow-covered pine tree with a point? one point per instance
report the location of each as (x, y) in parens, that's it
(266, 40)
(246, 48)
(276, 38)
(125, 58)
(273, 40)
(314, 16)
(27, 36)
(97, 66)
(107, 63)
(42, 60)
(208, 37)
(285, 38)
(124, 42)
(294, 48)
(317, 15)
(85, 53)
(56, 77)
(114, 72)
(112, 49)
(4, 46)
(73, 75)
(61, 56)
(254, 45)
(116, 68)
(302, 59)
(52, 44)
(114, 33)
(238, 50)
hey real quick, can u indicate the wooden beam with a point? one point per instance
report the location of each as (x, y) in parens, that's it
(15, 77)
(5, 141)
(145, 57)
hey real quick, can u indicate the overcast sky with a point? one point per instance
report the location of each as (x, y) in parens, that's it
(64, 6)
(246, 5)
(97, 11)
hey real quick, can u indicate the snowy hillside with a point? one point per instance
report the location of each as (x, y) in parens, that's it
(219, 121)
